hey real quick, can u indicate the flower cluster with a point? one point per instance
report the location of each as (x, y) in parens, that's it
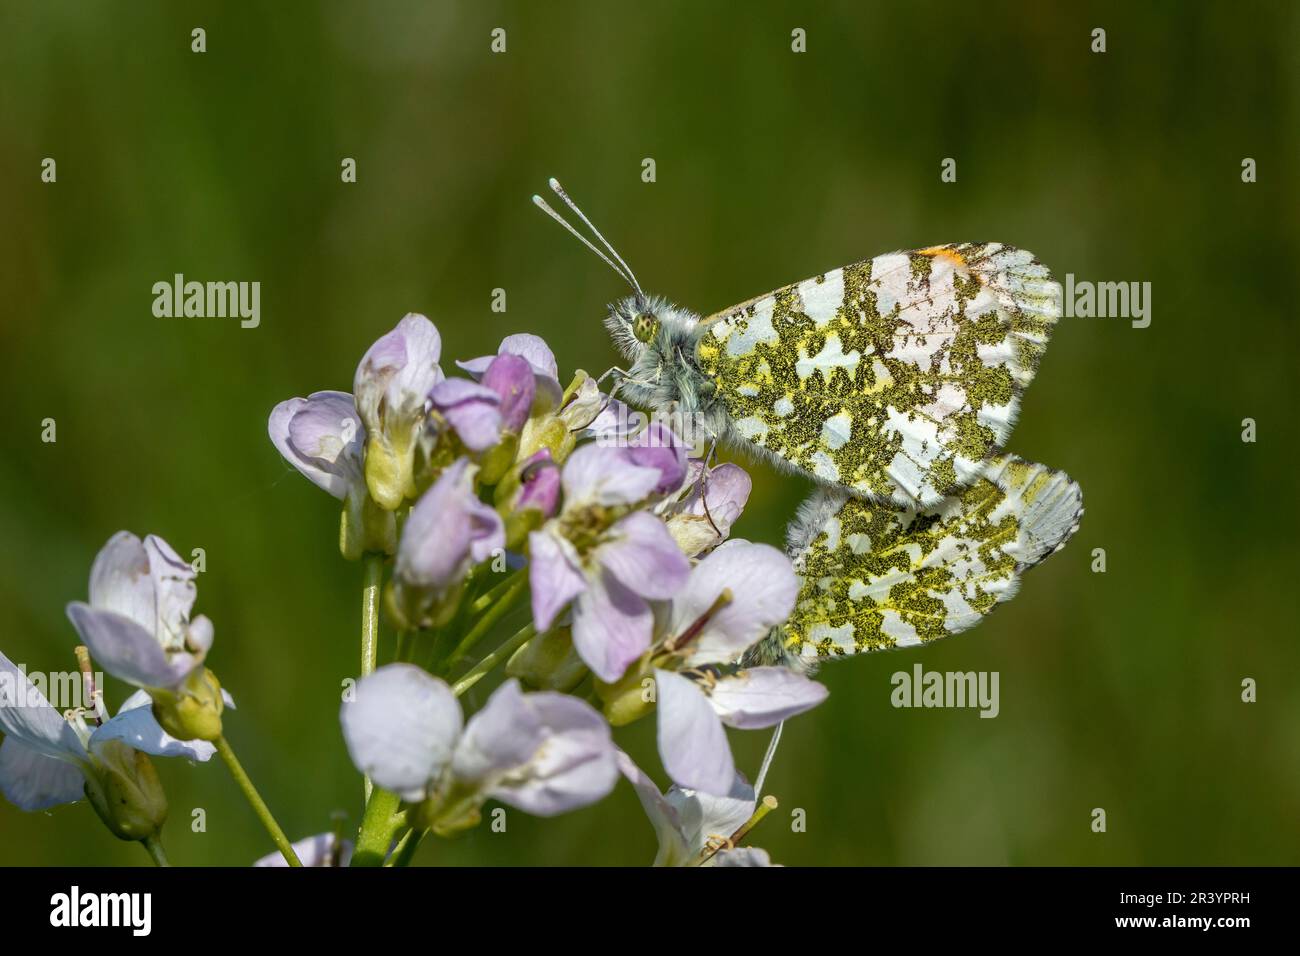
(505, 485)
(507, 522)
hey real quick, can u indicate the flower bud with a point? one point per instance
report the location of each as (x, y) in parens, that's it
(550, 434)
(390, 387)
(548, 662)
(366, 527)
(450, 813)
(511, 378)
(447, 531)
(125, 792)
(193, 710)
(499, 459)
(659, 448)
(472, 410)
(631, 697)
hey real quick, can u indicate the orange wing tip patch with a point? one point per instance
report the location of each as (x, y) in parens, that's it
(945, 252)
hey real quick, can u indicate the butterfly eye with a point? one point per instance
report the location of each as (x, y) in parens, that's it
(644, 326)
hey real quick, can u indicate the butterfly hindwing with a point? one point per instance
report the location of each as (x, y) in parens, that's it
(894, 377)
(875, 576)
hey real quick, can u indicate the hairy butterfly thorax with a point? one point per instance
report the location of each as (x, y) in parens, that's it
(661, 341)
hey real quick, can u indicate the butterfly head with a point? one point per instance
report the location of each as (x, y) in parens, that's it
(641, 324)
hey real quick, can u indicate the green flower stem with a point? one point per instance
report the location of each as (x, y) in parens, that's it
(372, 576)
(257, 803)
(483, 667)
(381, 823)
(403, 650)
(484, 624)
(482, 603)
(156, 852)
(406, 848)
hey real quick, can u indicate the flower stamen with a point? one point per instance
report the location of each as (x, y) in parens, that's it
(674, 644)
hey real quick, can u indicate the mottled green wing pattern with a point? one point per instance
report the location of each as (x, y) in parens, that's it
(894, 377)
(874, 576)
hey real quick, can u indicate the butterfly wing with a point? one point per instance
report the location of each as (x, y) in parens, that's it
(895, 377)
(874, 576)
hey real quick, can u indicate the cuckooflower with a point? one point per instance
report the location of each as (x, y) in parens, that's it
(391, 386)
(687, 822)
(137, 624)
(448, 530)
(48, 759)
(138, 627)
(607, 562)
(544, 753)
(323, 437)
(731, 600)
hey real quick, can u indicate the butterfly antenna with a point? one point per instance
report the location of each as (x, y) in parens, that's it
(540, 203)
(568, 201)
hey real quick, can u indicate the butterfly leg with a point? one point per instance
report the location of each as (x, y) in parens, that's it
(704, 484)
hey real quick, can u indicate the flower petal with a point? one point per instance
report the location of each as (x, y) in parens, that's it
(511, 378)
(534, 350)
(692, 742)
(612, 626)
(26, 716)
(575, 765)
(660, 448)
(401, 728)
(120, 580)
(32, 780)
(613, 420)
(174, 593)
(136, 725)
(742, 856)
(595, 474)
(312, 851)
(553, 575)
(476, 366)
(322, 436)
(544, 753)
(540, 484)
(447, 529)
(473, 410)
(705, 816)
(763, 586)
(726, 489)
(642, 554)
(502, 736)
(764, 696)
(127, 651)
(673, 847)
(399, 369)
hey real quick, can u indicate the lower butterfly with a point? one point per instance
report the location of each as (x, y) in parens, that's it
(876, 576)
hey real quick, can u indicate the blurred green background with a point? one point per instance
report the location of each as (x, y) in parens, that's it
(1118, 690)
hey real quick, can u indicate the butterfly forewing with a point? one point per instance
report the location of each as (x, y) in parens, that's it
(895, 377)
(875, 576)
